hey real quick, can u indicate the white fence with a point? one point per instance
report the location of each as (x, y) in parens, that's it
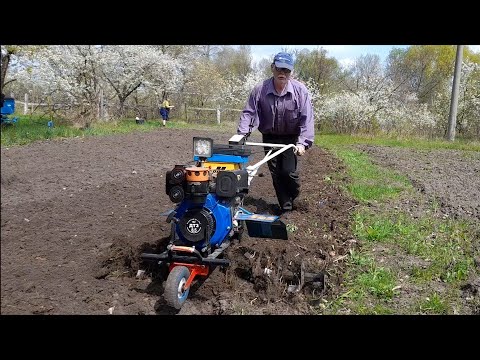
(218, 112)
(26, 104)
(190, 113)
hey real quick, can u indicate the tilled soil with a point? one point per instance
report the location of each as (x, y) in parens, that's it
(77, 213)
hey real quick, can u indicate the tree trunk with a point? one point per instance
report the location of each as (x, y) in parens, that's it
(5, 63)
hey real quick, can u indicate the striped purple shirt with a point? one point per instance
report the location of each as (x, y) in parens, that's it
(289, 113)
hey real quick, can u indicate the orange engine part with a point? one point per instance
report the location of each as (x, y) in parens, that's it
(197, 174)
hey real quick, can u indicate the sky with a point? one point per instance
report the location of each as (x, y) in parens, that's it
(345, 54)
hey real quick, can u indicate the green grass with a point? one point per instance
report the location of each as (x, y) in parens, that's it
(433, 304)
(446, 243)
(368, 181)
(443, 258)
(376, 281)
(368, 287)
(29, 129)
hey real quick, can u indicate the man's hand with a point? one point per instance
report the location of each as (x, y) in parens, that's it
(300, 150)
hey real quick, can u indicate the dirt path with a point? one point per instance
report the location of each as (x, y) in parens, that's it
(76, 214)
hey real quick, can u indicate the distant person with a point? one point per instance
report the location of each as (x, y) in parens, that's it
(165, 111)
(281, 109)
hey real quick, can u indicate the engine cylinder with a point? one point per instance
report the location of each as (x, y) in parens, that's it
(197, 174)
(197, 186)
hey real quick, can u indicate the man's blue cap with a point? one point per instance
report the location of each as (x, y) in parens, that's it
(283, 60)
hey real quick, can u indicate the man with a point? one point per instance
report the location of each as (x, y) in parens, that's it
(281, 109)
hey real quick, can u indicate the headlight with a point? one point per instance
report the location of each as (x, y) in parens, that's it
(202, 147)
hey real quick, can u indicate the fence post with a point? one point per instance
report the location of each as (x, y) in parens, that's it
(218, 115)
(25, 105)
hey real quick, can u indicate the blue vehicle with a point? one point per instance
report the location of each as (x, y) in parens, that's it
(209, 212)
(8, 109)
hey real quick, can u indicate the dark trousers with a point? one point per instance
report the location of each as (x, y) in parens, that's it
(283, 168)
(164, 113)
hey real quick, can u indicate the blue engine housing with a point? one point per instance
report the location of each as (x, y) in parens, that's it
(214, 208)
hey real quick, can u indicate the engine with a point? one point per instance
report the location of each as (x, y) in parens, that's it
(208, 196)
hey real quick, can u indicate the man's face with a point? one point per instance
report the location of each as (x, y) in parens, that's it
(280, 74)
